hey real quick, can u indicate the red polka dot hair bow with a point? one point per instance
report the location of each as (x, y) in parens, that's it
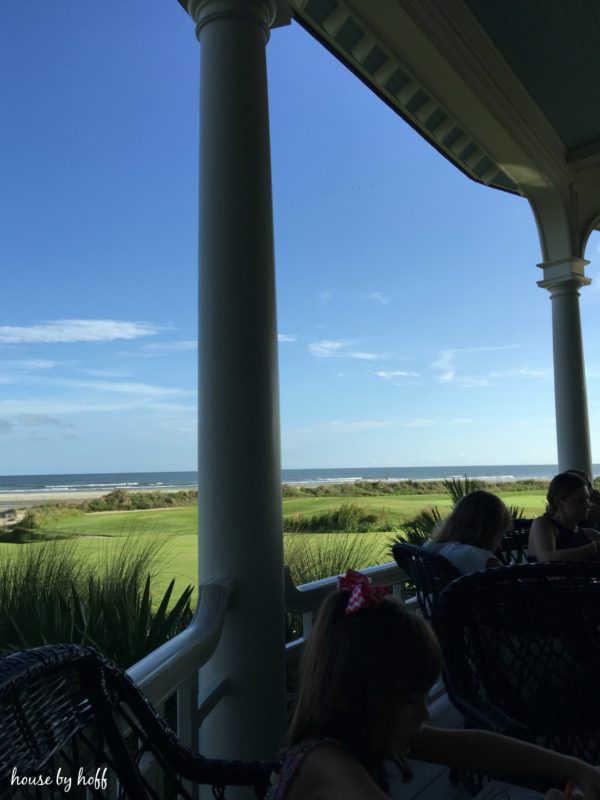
(362, 593)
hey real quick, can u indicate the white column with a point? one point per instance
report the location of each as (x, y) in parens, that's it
(240, 523)
(563, 279)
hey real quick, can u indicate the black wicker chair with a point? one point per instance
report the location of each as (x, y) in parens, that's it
(429, 572)
(513, 548)
(521, 649)
(66, 708)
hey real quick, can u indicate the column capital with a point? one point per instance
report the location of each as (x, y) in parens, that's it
(564, 275)
(267, 13)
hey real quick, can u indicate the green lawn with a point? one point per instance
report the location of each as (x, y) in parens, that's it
(94, 533)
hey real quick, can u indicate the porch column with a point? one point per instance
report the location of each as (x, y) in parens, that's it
(240, 522)
(563, 278)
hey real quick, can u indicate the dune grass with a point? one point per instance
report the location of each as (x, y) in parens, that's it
(50, 593)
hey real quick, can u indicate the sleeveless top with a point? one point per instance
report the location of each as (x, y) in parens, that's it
(566, 538)
(294, 758)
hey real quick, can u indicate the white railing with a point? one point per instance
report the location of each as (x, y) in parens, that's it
(307, 598)
(173, 667)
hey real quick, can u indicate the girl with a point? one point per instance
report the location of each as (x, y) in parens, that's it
(471, 534)
(557, 534)
(362, 700)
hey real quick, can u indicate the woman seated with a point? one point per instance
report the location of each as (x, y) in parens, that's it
(558, 534)
(471, 535)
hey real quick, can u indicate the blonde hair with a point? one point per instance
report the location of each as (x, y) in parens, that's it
(356, 670)
(479, 518)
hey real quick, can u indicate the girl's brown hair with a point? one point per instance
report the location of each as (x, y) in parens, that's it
(356, 670)
(562, 486)
(479, 518)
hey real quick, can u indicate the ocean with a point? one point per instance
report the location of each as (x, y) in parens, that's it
(178, 480)
(106, 481)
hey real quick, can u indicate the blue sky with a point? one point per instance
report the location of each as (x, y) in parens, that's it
(411, 328)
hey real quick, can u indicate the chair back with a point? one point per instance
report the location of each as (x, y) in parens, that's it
(68, 713)
(429, 572)
(513, 548)
(521, 649)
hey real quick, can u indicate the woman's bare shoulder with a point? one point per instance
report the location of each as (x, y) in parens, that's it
(543, 524)
(331, 772)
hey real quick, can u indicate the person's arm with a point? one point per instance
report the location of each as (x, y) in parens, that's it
(542, 544)
(483, 751)
(493, 562)
(592, 534)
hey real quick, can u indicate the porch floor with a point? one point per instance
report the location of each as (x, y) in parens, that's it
(431, 781)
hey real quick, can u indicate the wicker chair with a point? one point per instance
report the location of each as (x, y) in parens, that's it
(513, 548)
(65, 708)
(521, 649)
(429, 572)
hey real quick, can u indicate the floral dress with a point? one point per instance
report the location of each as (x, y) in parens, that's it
(293, 760)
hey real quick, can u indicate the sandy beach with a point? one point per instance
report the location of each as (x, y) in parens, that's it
(20, 500)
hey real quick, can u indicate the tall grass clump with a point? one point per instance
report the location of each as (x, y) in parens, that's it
(348, 518)
(49, 596)
(124, 500)
(311, 558)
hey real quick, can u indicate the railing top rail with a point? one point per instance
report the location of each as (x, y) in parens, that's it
(189, 650)
(309, 596)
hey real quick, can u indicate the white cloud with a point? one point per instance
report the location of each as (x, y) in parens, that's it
(470, 380)
(286, 337)
(329, 348)
(461, 421)
(446, 362)
(521, 372)
(75, 330)
(336, 426)
(104, 373)
(60, 407)
(157, 348)
(123, 388)
(379, 297)
(326, 348)
(325, 295)
(396, 373)
(341, 426)
(30, 364)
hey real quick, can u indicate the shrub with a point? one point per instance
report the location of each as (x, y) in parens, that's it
(124, 500)
(348, 518)
(311, 558)
(49, 596)
(418, 530)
